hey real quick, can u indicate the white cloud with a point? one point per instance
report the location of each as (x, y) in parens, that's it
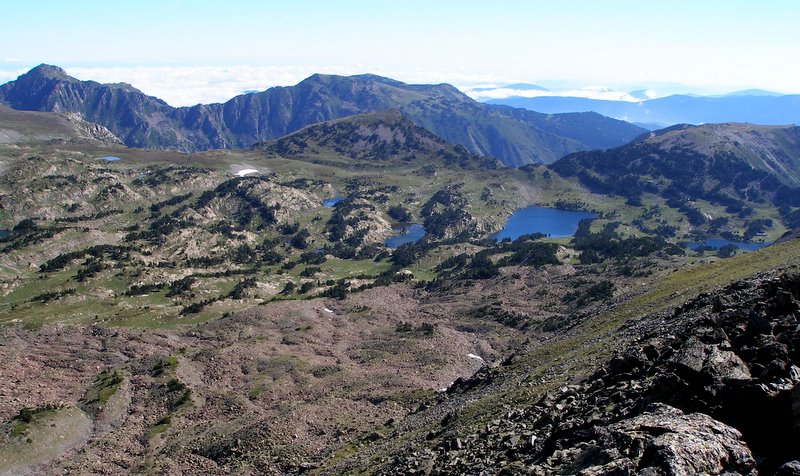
(7, 75)
(589, 92)
(190, 85)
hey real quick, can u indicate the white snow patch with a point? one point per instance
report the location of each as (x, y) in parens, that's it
(327, 310)
(476, 357)
(244, 172)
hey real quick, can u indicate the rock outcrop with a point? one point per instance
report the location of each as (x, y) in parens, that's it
(90, 131)
(710, 389)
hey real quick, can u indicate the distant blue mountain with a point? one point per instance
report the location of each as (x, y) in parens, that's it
(753, 92)
(650, 126)
(758, 107)
(525, 87)
(640, 94)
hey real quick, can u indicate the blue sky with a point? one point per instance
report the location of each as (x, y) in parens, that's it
(201, 51)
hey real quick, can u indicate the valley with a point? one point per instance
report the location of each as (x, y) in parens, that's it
(232, 306)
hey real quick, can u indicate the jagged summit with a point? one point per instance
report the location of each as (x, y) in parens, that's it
(391, 89)
(48, 71)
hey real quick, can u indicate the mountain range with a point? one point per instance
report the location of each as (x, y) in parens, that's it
(773, 150)
(753, 106)
(512, 135)
(242, 311)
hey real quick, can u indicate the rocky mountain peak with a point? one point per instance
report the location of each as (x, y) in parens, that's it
(47, 71)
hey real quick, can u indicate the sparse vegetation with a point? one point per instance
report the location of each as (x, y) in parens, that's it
(293, 323)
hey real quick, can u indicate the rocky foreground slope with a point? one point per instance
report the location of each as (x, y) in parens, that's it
(709, 388)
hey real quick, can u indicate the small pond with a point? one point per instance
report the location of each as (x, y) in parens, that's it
(407, 234)
(330, 202)
(550, 221)
(110, 158)
(718, 243)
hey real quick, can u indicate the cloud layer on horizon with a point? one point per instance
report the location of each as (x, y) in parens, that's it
(589, 92)
(190, 85)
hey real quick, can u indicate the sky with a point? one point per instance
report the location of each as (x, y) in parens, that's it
(187, 52)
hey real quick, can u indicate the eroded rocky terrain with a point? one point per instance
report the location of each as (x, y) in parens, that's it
(709, 388)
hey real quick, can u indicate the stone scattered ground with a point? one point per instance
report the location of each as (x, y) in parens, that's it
(708, 388)
(274, 389)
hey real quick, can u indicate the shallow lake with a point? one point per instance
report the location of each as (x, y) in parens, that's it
(550, 221)
(719, 243)
(408, 234)
(330, 202)
(110, 158)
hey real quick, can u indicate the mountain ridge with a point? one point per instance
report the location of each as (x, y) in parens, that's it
(747, 140)
(516, 137)
(386, 138)
(703, 172)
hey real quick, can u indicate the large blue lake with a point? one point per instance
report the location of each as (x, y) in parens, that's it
(719, 243)
(408, 234)
(550, 221)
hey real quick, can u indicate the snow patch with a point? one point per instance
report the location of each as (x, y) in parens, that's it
(244, 172)
(476, 357)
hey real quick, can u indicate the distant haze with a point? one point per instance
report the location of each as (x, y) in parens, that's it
(200, 51)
